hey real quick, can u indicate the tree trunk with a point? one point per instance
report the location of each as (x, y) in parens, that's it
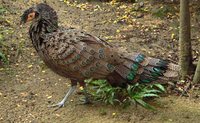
(185, 52)
(196, 78)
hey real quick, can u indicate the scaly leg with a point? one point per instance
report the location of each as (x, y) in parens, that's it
(85, 99)
(61, 103)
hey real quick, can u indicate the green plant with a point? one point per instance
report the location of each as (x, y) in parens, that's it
(101, 90)
(138, 92)
(2, 48)
(163, 11)
(2, 10)
(3, 58)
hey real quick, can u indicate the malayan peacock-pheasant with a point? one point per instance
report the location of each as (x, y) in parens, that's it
(78, 55)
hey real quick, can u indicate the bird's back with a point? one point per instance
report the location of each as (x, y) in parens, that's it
(78, 55)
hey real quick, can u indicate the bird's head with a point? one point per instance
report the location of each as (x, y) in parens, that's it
(29, 15)
(38, 12)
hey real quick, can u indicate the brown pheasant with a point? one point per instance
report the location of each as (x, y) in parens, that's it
(78, 55)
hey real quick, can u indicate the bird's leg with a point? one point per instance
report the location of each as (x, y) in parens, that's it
(84, 100)
(69, 92)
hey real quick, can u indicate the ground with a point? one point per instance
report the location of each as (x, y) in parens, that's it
(27, 87)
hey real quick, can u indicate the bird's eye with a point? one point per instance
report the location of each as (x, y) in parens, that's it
(31, 16)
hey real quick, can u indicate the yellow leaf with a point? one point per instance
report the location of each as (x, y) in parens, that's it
(172, 36)
(118, 31)
(49, 97)
(81, 88)
(115, 22)
(30, 66)
(57, 115)
(109, 40)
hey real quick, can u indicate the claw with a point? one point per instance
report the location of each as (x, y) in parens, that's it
(84, 100)
(59, 105)
(62, 103)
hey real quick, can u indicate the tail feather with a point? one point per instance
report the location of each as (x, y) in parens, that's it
(139, 68)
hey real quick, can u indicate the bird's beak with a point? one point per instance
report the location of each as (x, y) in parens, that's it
(21, 24)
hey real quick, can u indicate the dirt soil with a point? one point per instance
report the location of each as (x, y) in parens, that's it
(28, 86)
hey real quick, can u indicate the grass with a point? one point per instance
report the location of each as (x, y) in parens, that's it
(101, 90)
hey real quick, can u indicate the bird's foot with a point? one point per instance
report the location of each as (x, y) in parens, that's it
(58, 105)
(61, 103)
(84, 101)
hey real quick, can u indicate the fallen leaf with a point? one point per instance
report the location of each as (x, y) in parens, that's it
(30, 66)
(49, 97)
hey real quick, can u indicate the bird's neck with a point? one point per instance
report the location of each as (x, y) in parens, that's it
(39, 30)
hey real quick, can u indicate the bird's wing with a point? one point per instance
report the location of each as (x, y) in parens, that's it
(80, 55)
